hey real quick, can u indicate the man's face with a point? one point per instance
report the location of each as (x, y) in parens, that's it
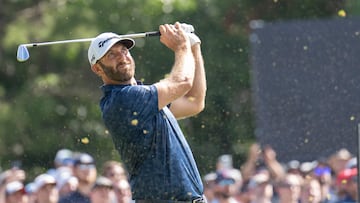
(102, 195)
(290, 189)
(118, 64)
(116, 174)
(86, 173)
(17, 197)
(122, 191)
(48, 193)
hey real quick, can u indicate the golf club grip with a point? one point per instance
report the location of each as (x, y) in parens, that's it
(153, 34)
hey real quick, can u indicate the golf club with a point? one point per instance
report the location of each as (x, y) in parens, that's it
(23, 52)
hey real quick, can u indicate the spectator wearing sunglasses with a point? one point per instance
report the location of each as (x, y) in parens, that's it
(85, 171)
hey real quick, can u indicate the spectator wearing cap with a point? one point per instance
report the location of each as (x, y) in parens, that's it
(260, 188)
(289, 188)
(347, 183)
(10, 175)
(85, 171)
(293, 166)
(339, 159)
(227, 185)
(63, 161)
(15, 193)
(45, 189)
(63, 157)
(123, 192)
(102, 191)
(224, 162)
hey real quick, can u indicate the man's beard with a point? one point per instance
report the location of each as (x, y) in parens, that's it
(114, 74)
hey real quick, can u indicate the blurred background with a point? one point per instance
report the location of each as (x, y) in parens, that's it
(51, 101)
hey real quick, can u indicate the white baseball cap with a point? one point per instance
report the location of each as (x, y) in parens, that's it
(14, 187)
(103, 42)
(42, 180)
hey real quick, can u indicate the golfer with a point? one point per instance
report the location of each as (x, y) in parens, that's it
(142, 118)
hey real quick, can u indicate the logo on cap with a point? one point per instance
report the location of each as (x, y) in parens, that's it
(92, 58)
(101, 43)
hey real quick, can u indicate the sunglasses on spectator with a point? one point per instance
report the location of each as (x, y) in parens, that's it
(85, 166)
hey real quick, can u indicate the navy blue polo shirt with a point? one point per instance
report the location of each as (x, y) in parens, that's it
(150, 143)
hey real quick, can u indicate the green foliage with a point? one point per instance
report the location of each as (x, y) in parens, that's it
(51, 101)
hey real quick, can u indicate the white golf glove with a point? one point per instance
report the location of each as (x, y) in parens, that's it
(187, 27)
(189, 30)
(194, 39)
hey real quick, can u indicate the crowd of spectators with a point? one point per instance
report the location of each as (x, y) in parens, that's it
(74, 179)
(261, 179)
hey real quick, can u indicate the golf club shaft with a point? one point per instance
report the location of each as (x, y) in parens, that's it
(135, 35)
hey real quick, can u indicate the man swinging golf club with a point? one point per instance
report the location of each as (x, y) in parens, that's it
(142, 118)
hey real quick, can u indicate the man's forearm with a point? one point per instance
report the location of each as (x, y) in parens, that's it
(198, 90)
(183, 68)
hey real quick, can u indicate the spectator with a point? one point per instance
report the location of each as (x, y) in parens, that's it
(115, 171)
(209, 184)
(85, 171)
(338, 160)
(289, 188)
(347, 182)
(63, 157)
(244, 195)
(63, 160)
(66, 184)
(10, 175)
(293, 166)
(311, 191)
(258, 159)
(306, 168)
(227, 185)
(30, 191)
(123, 191)
(102, 191)
(15, 193)
(45, 189)
(224, 162)
(323, 173)
(260, 188)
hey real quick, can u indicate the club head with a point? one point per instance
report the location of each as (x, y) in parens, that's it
(22, 53)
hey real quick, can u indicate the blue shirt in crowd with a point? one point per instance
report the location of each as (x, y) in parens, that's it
(150, 143)
(75, 197)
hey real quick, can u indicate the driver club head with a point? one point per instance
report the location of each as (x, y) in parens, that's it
(22, 53)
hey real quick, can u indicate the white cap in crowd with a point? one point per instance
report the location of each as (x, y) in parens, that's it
(14, 187)
(63, 157)
(42, 180)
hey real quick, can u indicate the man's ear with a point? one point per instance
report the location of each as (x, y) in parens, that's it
(96, 69)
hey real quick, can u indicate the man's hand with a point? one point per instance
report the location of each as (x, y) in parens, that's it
(174, 37)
